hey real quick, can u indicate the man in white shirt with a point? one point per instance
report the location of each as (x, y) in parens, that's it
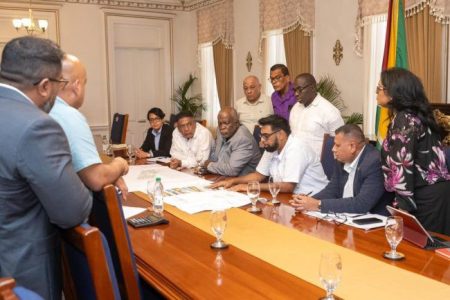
(254, 105)
(286, 158)
(312, 116)
(357, 184)
(191, 143)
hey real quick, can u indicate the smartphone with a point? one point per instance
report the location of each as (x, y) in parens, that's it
(367, 221)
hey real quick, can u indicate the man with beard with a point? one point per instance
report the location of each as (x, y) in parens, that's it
(39, 189)
(287, 159)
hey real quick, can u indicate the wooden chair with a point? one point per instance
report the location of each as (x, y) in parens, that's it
(119, 128)
(9, 291)
(88, 265)
(327, 157)
(108, 216)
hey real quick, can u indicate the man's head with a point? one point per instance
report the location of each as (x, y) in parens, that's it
(33, 65)
(73, 71)
(252, 88)
(186, 124)
(228, 120)
(348, 142)
(275, 131)
(305, 87)
(279, 77)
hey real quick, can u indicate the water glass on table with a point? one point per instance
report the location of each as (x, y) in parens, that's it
(218, 225)
(394, 235)
(274, 188)
(330, 272)
(253, 191)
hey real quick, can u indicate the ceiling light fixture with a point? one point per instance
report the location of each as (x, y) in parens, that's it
(29, 23)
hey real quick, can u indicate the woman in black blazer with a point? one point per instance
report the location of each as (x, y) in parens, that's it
(151, 147)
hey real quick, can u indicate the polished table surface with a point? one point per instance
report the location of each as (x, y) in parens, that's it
(177, 259)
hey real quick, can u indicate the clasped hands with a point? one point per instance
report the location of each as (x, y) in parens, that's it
(303, 202)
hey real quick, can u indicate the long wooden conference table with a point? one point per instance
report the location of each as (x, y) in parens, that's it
(176, 258)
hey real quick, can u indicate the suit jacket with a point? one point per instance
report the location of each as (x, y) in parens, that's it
(39, 192)
(368, 187)
(165, 141)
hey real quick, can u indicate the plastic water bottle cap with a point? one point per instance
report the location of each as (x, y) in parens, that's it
(158, 179)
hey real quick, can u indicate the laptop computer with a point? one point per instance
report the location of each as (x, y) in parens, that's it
(414, 232)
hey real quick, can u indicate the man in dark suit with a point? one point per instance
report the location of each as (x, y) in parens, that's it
(39, 190)
(357, 182)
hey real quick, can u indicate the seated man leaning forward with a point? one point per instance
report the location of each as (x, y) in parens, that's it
(236, 152)
(191, 143)
(286, 158)
(357, 182)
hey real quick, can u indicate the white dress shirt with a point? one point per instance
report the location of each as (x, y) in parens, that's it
(250, 113)
(350, 168)
(297, 163)
(312, 122)
(188, 150)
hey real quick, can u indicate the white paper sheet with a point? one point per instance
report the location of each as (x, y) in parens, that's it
(129, 211)
(161, 159)
(208, 200)
(340, 217)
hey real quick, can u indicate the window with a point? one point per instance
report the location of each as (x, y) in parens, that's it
(209, 87)
(274, 54)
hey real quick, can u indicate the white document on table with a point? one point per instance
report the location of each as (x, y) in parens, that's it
(349, 218)
(161, 159)
(129, 211)
(138, 177)
(207, 200)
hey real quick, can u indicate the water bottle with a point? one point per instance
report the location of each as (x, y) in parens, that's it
(158, 197)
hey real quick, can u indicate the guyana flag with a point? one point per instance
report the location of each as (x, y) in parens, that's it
(395, 55)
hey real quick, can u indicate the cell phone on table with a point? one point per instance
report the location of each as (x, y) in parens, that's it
(367, 221)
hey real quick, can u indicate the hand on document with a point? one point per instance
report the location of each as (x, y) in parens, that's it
(227, 183)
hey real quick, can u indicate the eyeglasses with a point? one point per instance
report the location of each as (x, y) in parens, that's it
(300, 89)
(62, 80)
(380, 88)
(337, 219)
(275, 79)
(151, 120)
(266, 136)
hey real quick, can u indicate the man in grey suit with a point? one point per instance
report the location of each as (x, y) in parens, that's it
(357, 183)
(236, 152)
(39, 190)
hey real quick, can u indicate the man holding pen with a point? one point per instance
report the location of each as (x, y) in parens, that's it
(287, 159)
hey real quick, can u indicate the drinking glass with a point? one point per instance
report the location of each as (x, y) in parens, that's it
(130, 153)
(394, 235)
(253, 193)
(330, 272)
(218, 225)
(274, 188)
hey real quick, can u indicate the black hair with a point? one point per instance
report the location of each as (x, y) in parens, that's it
(352, 130)
(156, 111)
(281, 67)
(184, 114)
(27, 60)
(308, 77)
(408, 94)
(276, 123)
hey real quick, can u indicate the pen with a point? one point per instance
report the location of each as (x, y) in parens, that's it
(308, 194)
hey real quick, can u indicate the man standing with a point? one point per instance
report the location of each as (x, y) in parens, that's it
(236, 152)
(86, 161)
(313, 115)
(39, 189)
(283, 98)
(286, 158)
(254, 105)
(357, 184)
(191, 142)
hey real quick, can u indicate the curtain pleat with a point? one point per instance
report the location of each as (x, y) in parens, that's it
(223, 64)
(297, 47)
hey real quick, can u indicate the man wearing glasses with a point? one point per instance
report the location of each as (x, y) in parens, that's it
(86, 161)
(283, 98)
(357, 184)
(313, 115)
(39, 190)
(287, 159)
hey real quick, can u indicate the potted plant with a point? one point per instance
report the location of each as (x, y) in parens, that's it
(192, 104)
(328, 89)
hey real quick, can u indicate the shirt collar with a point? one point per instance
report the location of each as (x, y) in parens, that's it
(157, 132)
(349, 167)
(256, 102)
(17, 90)
(280, 155)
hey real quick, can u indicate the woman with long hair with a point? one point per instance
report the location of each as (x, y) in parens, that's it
(414, 164)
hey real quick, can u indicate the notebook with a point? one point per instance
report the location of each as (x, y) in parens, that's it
(414, 232)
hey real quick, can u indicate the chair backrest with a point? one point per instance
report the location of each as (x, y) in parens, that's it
(257, 136)
(89, 264)
(327, 157)
(119, 128)
(108, 216)
(9, 291)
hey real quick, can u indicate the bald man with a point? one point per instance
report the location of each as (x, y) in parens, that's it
(254, 105)
(236, 152)
(86, 161)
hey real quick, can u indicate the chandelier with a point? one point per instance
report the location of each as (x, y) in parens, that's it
(29, 23)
